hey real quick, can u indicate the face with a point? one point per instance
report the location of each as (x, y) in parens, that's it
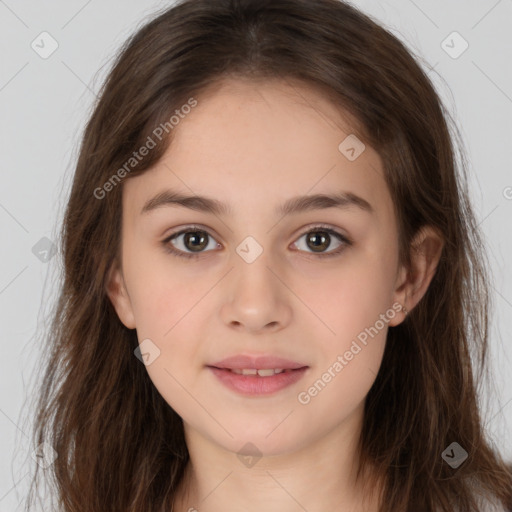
(315, 286)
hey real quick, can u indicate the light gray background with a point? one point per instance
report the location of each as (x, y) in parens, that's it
(45, 103)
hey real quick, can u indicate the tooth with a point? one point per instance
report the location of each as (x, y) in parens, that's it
(265, 373)
(262, 373)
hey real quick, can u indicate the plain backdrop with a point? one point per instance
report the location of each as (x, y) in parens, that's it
(45, 103)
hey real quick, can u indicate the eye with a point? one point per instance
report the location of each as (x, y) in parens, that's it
(195, 241)
(319, 238)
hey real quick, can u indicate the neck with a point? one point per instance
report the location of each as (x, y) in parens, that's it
(317, 477)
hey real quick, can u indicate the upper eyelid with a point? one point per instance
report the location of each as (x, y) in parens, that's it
(186, 229)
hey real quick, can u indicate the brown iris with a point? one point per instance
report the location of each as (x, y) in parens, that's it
(319, 240)
(198, 239)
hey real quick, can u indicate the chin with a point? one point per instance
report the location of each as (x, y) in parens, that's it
(263, 439)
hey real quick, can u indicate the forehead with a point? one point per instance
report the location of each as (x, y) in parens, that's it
(256, 144)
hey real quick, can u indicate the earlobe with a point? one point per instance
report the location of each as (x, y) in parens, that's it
(116, 291)
(426, 250)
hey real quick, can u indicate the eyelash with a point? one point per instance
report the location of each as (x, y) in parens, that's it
(181, 254)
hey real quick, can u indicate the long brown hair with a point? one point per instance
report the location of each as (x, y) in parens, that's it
(120, 446)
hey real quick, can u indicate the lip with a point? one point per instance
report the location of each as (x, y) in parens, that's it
(254, 385)
(241, 361)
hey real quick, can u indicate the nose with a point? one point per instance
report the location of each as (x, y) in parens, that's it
(257, 298)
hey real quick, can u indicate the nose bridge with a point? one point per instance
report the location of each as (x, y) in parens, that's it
(252, 274)
(257, 297)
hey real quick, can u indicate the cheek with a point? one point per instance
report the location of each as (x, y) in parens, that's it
(350, 356)
(160, 294)
(355, 307)
(166, 308)
(352, 294)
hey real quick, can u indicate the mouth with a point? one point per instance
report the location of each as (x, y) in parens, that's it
(258, 381)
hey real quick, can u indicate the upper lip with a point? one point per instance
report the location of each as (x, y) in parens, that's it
(241, 362)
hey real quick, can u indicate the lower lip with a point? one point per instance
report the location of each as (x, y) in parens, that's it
(256, 385)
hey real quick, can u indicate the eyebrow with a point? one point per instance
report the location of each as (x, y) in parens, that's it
(342, 200)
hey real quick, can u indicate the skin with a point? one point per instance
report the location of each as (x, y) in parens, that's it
(255, 146)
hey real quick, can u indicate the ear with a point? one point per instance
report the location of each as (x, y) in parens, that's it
(412, 283)
(118, 295)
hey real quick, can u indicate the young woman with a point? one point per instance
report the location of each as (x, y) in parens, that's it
(273, 280)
